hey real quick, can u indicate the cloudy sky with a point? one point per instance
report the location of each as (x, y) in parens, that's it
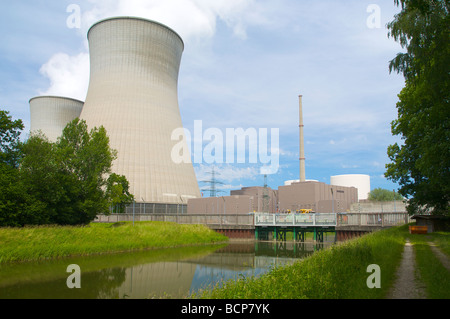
(244, 65)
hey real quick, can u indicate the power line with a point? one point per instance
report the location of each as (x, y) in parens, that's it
(213, 182)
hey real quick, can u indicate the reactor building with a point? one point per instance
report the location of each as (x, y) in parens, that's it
(133, 94)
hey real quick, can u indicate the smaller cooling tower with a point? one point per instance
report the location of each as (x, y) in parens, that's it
(51, 114)
(361, 182)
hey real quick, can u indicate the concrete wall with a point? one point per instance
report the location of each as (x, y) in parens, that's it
(329, 206)
(221, 205)
(378, 207)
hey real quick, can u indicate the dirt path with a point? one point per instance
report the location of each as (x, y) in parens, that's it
(442, 257)
(407, 284)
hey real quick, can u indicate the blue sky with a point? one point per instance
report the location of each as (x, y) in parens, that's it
(244, 65)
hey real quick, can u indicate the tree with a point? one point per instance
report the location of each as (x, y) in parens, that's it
(72, 176)
(39, 175)
(9, 139)
(86, 159)
(384, 195)
(17, 206)
(421, 165)
(118, 193)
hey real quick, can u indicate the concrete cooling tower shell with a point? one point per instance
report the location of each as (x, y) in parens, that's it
(361, 182)
(133, 93)
(51, 114)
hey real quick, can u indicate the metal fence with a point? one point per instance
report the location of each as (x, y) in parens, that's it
(373, 219)
(265, 219)
(204, 219)
(153, 208)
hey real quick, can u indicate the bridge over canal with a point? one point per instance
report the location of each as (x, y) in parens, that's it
(276, 226)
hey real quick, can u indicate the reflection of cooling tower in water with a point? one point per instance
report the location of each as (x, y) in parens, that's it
(51, 114)
(158, 280)
(133, 94)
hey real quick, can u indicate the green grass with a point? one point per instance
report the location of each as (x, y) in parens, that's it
(40, 243)
(339, 272)
(434, 275)
(442, 240)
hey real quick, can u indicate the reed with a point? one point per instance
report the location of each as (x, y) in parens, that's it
(47, 242)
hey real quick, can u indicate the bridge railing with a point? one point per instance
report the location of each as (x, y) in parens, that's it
(264, 219)
(329, 219)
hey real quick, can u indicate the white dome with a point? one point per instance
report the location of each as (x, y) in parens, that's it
(361, 182)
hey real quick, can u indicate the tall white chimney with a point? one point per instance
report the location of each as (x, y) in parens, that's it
(302, 143)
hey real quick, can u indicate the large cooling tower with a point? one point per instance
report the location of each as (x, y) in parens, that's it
(51, 114)
(133, 93)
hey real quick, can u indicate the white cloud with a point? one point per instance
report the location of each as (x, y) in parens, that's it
(68, 75)
(190, 18)
(194, 20)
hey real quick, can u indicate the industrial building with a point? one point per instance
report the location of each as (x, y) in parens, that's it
(243, 201)
(317, 196)
(133, 94)
(265, 199)
(49, 115)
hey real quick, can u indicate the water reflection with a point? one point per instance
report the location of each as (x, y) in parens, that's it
(174, 273)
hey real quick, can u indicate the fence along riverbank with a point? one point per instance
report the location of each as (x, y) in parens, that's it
(346, 225)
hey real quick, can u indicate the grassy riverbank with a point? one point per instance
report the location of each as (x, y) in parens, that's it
(340, 272)
(39, 243)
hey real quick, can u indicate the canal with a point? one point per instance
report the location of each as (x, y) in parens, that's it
(168, 273)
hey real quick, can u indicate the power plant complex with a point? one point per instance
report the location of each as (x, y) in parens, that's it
(133, 94)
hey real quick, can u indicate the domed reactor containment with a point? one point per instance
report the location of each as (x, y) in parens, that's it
(133, 93)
